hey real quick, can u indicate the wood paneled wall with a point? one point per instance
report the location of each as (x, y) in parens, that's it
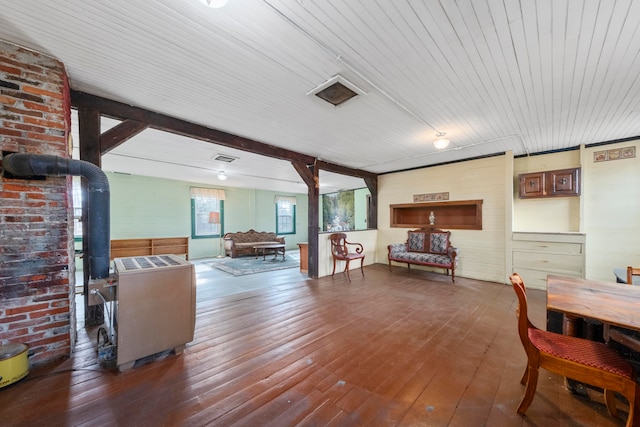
(482, 251)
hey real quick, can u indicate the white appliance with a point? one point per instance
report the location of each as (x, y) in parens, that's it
(156, 306)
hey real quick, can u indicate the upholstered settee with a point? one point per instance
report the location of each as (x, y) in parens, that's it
(242, 242)
(426, 246)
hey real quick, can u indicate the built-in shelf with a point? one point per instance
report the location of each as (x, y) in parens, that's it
(462, 215)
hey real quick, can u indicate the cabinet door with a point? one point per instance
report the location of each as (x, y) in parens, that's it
(532, 185)
(564, 182)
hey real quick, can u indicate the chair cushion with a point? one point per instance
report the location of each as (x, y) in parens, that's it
(416, 241)
(438, 243)
(422, 258)
(351, 255)
(579, 350)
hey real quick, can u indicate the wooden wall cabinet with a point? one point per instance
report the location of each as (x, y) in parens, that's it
(532, 185)
(463, 215)
(558, 183)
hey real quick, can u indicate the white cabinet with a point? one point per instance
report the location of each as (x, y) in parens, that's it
(535, 255)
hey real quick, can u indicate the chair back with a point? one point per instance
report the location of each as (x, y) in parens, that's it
(523, 320)
(339, 247)
(632, 272)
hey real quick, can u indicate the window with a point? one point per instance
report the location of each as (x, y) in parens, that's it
(76, 193)
(285, 215)
(207, 212)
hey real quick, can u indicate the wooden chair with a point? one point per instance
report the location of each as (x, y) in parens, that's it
(623, 337)
(583, 360)
(630, 273)
(340, 252)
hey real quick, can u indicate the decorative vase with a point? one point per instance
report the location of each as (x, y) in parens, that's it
(432, 218)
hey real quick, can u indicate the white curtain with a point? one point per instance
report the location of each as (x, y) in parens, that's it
(207, 192)
(290, 199)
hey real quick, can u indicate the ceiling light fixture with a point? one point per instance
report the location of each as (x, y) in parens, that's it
(215, 4)
(441, 142)
(222, 176)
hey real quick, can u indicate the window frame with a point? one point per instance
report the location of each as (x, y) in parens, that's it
(202, 229)
(292, 206)
(76, 196)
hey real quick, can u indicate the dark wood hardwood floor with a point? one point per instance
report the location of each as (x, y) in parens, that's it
(406, 348)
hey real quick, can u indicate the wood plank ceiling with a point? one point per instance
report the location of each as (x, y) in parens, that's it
(495, 75)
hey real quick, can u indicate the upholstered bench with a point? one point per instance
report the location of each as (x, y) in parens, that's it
(426, 246)
(243, 242)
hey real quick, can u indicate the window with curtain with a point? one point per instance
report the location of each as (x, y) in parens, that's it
(207, 208)
(285, 215)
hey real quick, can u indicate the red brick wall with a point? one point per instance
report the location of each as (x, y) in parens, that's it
(37, 283)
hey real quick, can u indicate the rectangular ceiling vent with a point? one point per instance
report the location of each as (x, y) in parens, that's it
(224, 158)
(336, 91)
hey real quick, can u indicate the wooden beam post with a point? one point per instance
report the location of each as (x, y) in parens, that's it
(309, 175)
(372, 185)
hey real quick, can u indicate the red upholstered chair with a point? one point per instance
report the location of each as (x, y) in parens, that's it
(624, 337)
(583, 360)
(340, 252)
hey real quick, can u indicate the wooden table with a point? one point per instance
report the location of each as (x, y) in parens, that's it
(609, 302)
(269, 248)
(612, 303)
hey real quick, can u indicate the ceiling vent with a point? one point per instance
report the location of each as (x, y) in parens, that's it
(336, 91)
(224, 158)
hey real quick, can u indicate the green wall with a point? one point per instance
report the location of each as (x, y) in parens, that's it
(153, 207)
(360, 203)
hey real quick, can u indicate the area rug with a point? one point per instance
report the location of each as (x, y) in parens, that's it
(249, 264)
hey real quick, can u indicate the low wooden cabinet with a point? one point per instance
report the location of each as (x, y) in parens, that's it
(462, 215)
(150, 246)
(304, 256)
(536, 255)
(557, 183)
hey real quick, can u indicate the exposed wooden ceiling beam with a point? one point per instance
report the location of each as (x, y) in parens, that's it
(166, 123)
(306, 174)
(137, 119)
(120, 134)
(344, 170)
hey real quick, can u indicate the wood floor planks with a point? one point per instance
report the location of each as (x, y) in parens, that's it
(401, 348)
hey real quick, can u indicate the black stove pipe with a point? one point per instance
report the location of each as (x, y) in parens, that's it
(29, 165)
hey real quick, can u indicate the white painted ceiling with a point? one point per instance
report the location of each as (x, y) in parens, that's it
(495, 75)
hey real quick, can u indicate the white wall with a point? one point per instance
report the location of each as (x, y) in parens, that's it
(482, 251)
(557, 214)
(611, 194)
(325, 262)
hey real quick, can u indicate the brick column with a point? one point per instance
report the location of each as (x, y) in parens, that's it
(37, 269)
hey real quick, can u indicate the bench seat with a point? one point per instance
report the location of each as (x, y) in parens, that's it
(428, 247)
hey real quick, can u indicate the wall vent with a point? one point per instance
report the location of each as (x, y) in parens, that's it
(224, 158)
(336, 91)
